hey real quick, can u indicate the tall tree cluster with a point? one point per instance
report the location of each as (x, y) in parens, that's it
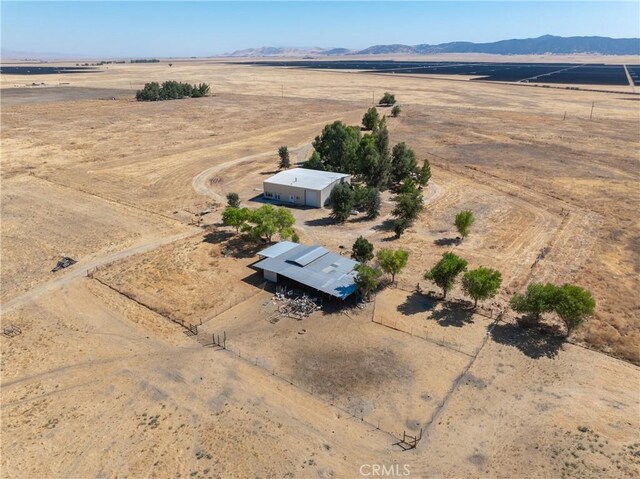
(345, 198)
(409, 204)
(171, 90)
(371, 160)
(341, 148)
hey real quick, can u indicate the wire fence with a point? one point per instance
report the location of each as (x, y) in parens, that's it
(190, 329)
(221, 342)
(409, 326)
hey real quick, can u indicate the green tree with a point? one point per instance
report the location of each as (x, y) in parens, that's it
(285, 163)
(403, 162)
(367, 279)
(372, 203)
(392, 261)
(409, 204)
(370, 119)
(387, 99)
(368, 159)
(424, 175)
(538, 299)
(150, 92)
(295, 238)
(380, 177)
(360, 193)
(382, 137)
(362, 250)
(366, 198)
(314, 163)
(573, 304)
(170, 90)
(233, 200)
(395, 111)
(235, 217)
(481, 283)
(202, 89)
(337, 146)
(266, 221)
(463, 222)
(400, 225)
(445, 272)
(342, 202)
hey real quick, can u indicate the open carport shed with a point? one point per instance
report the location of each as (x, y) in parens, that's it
(313, 266)
(303, 187)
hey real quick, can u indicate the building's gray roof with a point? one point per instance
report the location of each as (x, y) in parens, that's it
(277, 249)
(304, 178)
(316, 267)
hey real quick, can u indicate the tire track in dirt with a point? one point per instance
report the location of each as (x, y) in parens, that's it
(544, 205)
(200, 181)
(83, 266)
(57, 372)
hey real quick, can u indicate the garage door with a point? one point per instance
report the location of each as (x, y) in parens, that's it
(311, 198)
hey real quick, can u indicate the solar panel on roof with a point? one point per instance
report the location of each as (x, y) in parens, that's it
(277, 249)
(312, 254)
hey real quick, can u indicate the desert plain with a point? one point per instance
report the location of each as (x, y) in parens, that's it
(100, 383)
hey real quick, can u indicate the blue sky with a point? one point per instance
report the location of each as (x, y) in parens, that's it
(104, 29)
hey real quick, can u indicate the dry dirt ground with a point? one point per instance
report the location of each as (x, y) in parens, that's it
(101, 383)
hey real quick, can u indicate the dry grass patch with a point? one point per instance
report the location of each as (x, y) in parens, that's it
(192, 279)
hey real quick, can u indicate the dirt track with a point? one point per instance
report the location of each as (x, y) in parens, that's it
(85, 266)
(201, 181)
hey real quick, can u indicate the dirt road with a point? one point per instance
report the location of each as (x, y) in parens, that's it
(84, 266)
(200, 182)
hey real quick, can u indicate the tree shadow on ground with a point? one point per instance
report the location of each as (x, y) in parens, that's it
(242, 247)
(361, 219)
(390, 238)
(416, 303)
(535, 343)
(447, 241)
(216, 237)
(386, 225)
(236, 246)
(452, 314)
(325, 221)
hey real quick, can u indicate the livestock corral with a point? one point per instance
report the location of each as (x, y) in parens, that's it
(158, 351)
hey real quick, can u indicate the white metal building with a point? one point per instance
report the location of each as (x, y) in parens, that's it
(303, 187)
(313, 266)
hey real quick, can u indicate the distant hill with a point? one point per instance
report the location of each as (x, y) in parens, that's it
(546, 44)
(287, 52)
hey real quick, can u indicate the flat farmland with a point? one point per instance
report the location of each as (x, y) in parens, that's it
(544, 73)
(135, 191)
(43, 221)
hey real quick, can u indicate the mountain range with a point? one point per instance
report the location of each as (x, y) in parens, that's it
(546, 44)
